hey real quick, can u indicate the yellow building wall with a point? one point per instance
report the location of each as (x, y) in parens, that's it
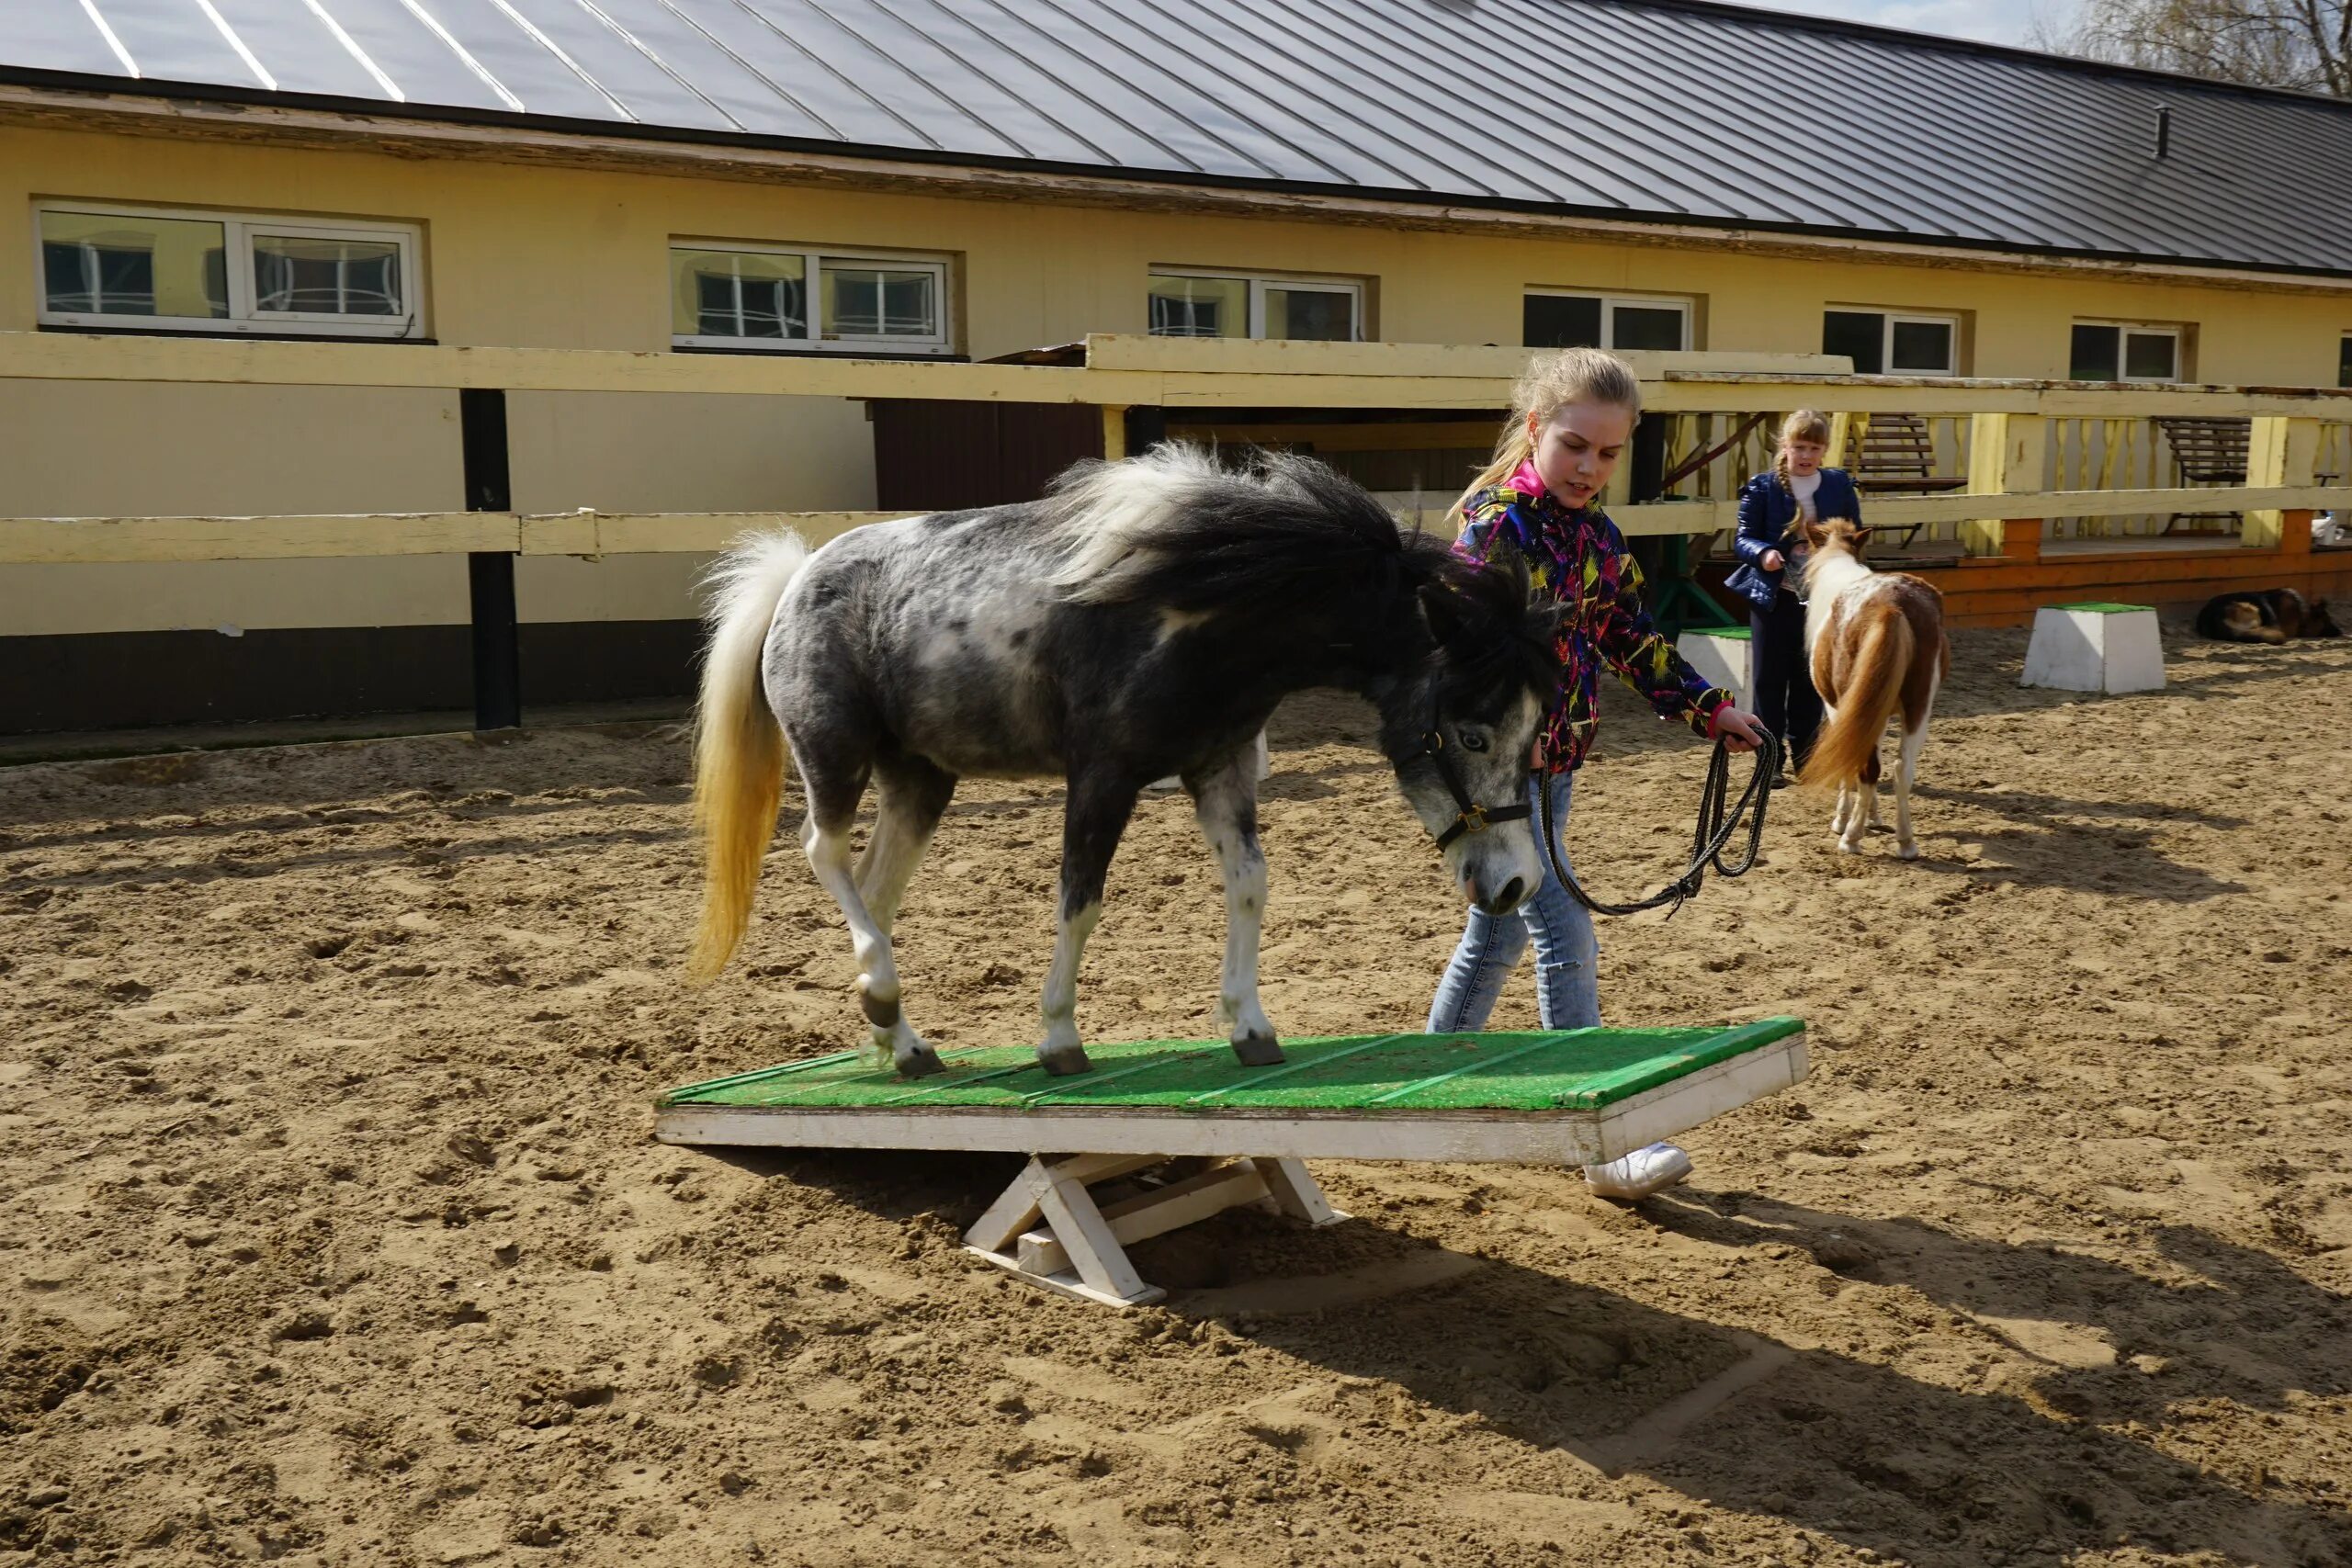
(544, 257)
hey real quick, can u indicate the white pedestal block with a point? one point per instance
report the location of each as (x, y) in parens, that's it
(2095, 648)
(1720, 654)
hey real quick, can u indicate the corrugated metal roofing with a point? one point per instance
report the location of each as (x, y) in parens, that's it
(1671, 110)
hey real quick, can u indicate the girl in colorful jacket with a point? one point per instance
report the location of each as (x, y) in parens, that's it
(1797, 488)
(1572, 416)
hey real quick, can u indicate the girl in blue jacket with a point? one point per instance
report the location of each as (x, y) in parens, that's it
(1772, 571)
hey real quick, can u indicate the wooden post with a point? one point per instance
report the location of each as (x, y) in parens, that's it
(489, 574)
(1146, 427)
(2005, 457)
(1114, 432)
(2279, 452)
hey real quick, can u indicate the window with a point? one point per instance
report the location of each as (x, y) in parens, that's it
(203, 272)
(759, 297)
(1550, 320)
(2344, 361)
(1233, 304)
(2122, 351)
(1888, 343)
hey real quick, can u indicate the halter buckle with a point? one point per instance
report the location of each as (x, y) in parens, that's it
(1474, 820)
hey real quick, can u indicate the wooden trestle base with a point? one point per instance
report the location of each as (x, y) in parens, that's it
(1049, 1228)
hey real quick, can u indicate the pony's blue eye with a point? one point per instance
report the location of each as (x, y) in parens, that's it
(1472, 740)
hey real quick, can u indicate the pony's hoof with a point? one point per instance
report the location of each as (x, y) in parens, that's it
(1849, 847)
(1258, 1051)
(920, 1063)
(1906, 851)
(1066, 1063)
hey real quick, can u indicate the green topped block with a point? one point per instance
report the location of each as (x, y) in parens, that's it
(1581, 1069)
(2099, 608)
(1733, 633)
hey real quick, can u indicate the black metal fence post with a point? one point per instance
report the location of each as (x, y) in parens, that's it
(489, 574)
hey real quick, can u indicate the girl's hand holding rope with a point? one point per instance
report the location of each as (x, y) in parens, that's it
(1737, 731)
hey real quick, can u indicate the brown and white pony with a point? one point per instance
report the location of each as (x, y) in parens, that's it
(1877, 646)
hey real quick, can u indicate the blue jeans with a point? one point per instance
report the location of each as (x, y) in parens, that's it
(1568, 992)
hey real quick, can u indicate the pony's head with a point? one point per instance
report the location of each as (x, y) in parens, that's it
(1833, 533)
(1460, 727)
(1829, 538)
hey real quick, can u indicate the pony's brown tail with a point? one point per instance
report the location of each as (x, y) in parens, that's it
(1869, 699)
(739, 746)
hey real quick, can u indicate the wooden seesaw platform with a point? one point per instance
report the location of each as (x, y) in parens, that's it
(1573, 1097)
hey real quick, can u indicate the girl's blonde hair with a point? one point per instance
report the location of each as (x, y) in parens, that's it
(1550, 384)
(1805, 425)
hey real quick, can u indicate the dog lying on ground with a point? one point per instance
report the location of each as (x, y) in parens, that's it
(2273, 616)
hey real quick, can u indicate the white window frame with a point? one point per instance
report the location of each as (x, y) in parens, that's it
(245, 318)
(813, 340)
(1887, 321)
(1685, 304)
(1259, 282)
(2178, 335)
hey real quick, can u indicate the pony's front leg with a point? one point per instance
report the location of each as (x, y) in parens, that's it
(894, 1043)
(1092, 822)
(1226, 805)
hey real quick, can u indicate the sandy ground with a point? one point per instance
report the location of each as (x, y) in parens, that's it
(331, 1229)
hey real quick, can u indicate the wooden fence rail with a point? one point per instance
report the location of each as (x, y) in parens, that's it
(2009, 431)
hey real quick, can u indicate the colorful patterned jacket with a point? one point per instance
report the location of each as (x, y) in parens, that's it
(1579, 560)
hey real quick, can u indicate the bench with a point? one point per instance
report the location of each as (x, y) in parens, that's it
(1173, 1131)
(1893, 454)
(2207, 452)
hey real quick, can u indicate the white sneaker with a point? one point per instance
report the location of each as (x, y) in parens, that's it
(1639, 1174)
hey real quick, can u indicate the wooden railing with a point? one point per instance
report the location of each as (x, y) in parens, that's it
(2012, 436)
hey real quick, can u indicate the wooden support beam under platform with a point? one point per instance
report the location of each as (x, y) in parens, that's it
(1051, 1230)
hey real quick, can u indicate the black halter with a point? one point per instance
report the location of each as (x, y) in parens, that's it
(1719, 818)
(1473, 818)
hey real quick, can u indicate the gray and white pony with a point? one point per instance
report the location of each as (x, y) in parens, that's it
(1142, 620)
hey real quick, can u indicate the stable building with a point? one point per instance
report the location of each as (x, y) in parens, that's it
(929, 182)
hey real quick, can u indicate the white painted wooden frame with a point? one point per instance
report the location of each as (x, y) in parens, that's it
(238, 230)
(1556, 1137)
(1048, 1229)
(1684, 305)
(813, 337)
(1259, 282)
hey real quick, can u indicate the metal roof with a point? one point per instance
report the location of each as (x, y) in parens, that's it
(1659, 110)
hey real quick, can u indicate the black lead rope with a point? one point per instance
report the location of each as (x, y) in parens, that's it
(1718, 821)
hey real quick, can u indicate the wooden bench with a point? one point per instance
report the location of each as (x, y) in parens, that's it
(1893, 454)
(1165, 1133)
(2207, 452)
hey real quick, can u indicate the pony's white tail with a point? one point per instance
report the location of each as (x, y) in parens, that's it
(1881, 658)
(739, 747)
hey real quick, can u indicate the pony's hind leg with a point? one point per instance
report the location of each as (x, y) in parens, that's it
(1226, 802)
(913, 796)
(897, 841)
(1092, 822)
(1914, 741)
(1861, 815)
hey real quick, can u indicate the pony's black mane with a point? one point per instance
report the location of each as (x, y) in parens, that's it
(1503, 641)
(1263, 532)
(1283, 534)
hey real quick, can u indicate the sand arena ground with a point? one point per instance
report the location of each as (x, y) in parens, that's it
(330, 1229)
